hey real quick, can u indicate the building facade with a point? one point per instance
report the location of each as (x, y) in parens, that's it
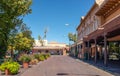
(53, 48)
(98, 29)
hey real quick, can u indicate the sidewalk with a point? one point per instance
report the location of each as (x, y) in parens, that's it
(113, 66)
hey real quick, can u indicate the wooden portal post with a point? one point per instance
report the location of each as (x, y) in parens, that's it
(88, 50)
(105, 51)
(83, 50)
(95, 50)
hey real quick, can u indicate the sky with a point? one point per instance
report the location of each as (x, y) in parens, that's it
(59, 17)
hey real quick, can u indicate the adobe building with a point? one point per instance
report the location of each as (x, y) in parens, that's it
(98, 29)
(53, 48)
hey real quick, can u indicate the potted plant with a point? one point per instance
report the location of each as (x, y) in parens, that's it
(33, 60)
(25, 59)
(10, 68)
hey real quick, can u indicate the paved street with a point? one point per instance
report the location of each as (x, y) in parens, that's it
(64, 66)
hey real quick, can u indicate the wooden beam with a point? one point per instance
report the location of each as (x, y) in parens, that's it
(116, 38)
(107, 7)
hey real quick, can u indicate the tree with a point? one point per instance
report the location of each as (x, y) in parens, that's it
(40, 40)
(22, 40)
(23, 43)
(72, 37)
(26, 31)
(45, 33)
(11, 15)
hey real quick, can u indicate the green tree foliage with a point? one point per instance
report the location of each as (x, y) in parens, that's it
(11, 14)
(23, 43)
(114, 47)
(26, 31)
(72, 37)
(13, 8)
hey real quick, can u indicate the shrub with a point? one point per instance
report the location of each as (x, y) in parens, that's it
(36, 56)
(33, 60)
(25, 58)
(41, 57)
(8, 59)
(13, 67)
(48, 54)
(45, 56)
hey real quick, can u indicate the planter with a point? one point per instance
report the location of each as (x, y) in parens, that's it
(7, 72)
(34, 61)
(10, 68)
(25, 59)
(25, 65)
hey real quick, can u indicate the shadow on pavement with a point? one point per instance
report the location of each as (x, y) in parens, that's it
(75, 74)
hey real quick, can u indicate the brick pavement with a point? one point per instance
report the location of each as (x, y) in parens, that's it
(64, 66)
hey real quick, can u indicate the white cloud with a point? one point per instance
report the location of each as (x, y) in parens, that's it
(66, 24)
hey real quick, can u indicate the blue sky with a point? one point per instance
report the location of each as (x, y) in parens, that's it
(59, 16)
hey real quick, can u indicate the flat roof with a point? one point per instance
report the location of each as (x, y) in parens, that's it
(48, 47)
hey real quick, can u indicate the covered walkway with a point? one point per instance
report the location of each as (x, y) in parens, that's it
(113, 66)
